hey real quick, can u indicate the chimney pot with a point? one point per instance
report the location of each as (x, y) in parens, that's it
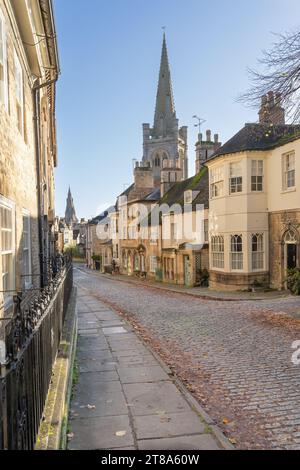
(264, 100)
(271, 97)
(208, 135)
(216, 137)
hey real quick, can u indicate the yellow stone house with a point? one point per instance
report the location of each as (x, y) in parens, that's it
(254, 184)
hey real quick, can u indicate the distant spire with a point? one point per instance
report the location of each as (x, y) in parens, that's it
(165, 114)
(70, 214)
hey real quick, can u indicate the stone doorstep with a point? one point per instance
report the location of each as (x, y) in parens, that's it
(52, 430)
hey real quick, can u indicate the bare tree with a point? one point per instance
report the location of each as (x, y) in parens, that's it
(279, 72)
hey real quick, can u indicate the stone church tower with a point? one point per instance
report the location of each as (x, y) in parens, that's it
(165, 140)
(70, 214)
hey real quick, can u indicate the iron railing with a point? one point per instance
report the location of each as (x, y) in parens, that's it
(30, 341)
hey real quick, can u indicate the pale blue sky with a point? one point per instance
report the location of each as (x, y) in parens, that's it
(110, 53)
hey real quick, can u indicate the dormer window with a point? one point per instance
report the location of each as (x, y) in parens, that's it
(188, 196)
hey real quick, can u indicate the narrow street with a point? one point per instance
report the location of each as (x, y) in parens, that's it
(234, 357)
(123, 397)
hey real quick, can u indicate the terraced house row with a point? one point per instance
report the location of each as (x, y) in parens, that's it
(248, 189)
(29, 69)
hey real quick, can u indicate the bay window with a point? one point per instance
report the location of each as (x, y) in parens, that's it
(257, 245)
(257, 170)
(217, 251)
(235, 179)
(216, 182)
(236, 252)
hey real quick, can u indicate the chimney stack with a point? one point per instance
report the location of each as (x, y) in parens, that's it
(205, 149)
(271, 111)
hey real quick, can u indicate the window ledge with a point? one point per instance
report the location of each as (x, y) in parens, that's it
(289, 190)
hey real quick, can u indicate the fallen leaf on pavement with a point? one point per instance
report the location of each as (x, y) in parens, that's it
(120, 433)
(91, 407)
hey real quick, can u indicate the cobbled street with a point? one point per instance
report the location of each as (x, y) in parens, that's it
(234, 357)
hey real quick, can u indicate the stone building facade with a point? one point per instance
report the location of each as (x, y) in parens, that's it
(255, 203)
(29, 69)
(136, 243)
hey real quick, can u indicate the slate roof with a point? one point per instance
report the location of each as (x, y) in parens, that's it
(199, 182)
(259, 137)
(175, 195)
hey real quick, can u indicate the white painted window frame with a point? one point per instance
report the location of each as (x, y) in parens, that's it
(285, 171)
(255, 173)
(8, 204)
(217, 249)
(258, 252)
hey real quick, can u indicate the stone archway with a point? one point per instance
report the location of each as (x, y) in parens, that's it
(290, 251)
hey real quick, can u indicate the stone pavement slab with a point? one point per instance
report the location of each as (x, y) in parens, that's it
(200, 442)
(167, 425)
(95, 433)
(124, 398)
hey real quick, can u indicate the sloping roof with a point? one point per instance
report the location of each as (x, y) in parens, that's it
(175, 195)
(199, 182)
(102, 216)
(154, 195)
(259, 137)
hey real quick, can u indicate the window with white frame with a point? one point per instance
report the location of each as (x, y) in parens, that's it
(257, 174)
(289, 170)
(3, 64)
(236, 252)
(19, 94)
(257, 245)
(153, 264)
(217, 251)
(235, 179)
(7, 248)
(216, 182)
(26, 250)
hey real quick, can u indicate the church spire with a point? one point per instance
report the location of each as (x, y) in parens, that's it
(70, 214)
(165, 115)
